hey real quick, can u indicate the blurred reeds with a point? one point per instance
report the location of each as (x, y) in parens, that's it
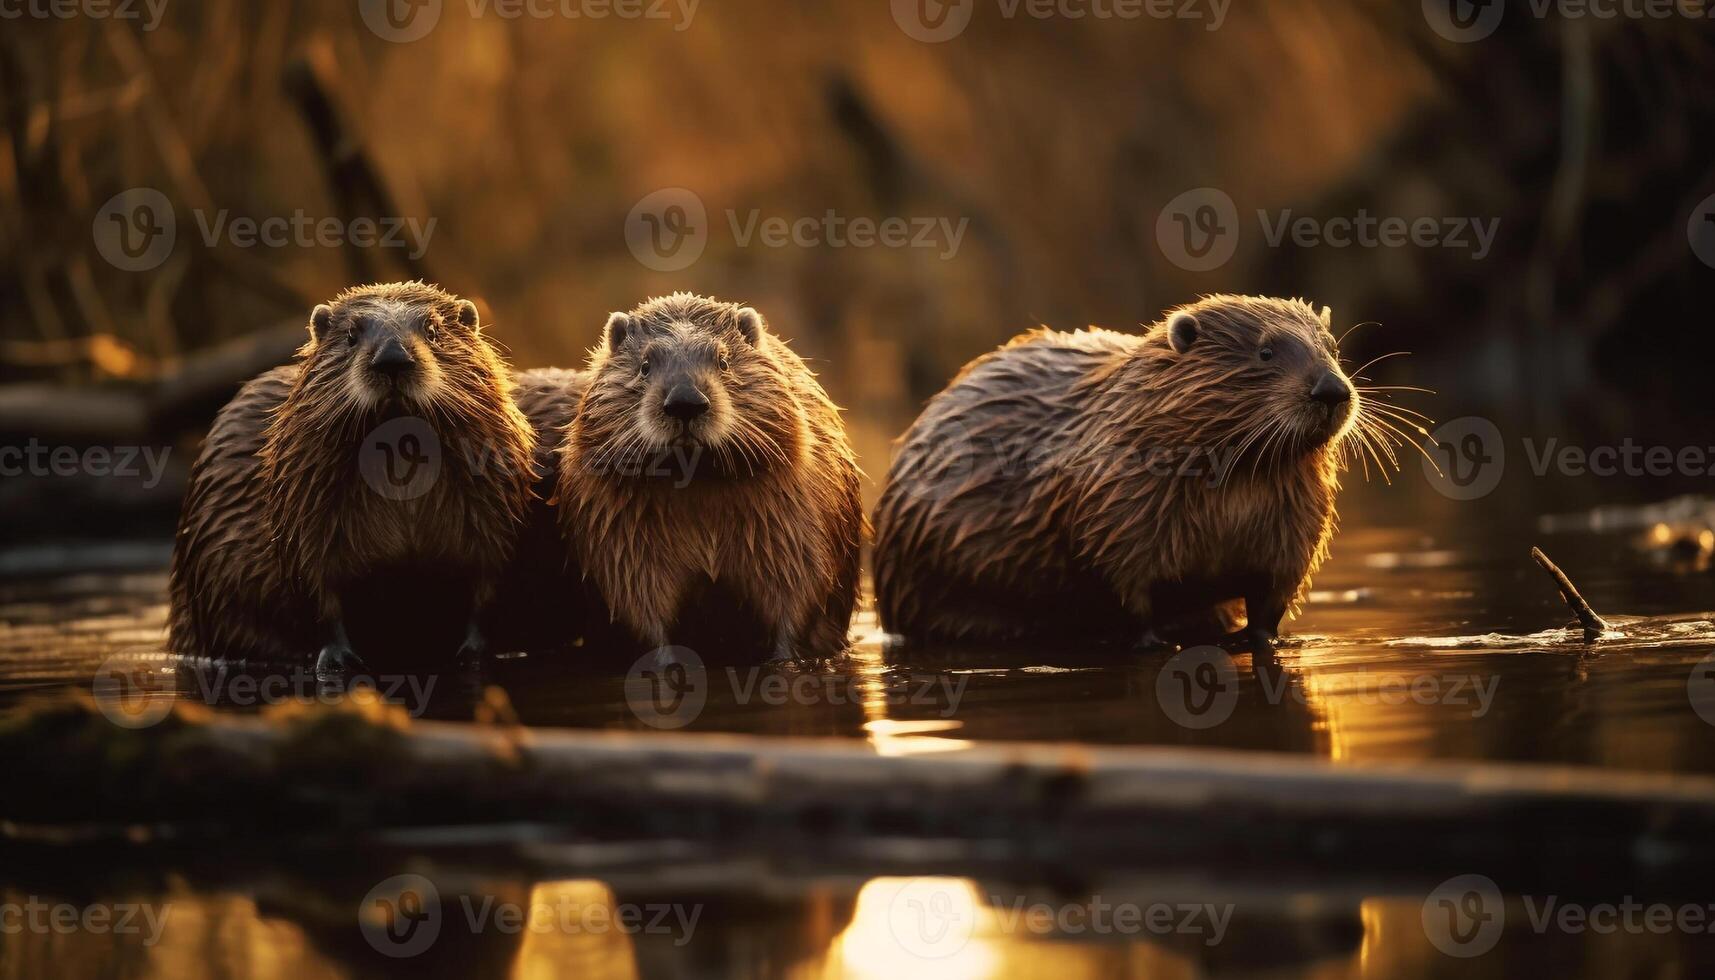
(529, 140)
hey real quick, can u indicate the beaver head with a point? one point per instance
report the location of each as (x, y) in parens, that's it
(397, 344)
(690, 384)
(1255, 374)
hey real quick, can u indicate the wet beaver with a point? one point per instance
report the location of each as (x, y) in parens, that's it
(706, 480)
(370, 492)
(1098, 484)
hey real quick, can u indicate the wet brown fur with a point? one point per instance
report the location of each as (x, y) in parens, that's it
(278, 523)
(766, 506)
(1022, 502)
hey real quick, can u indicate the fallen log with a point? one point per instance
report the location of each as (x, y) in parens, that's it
(155, 411)
(364, 772)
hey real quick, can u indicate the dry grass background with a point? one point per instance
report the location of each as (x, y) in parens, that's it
(528, 141)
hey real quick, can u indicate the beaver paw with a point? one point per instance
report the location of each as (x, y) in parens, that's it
(474, 649)
(1260, 639)
(785, 652)
(1151, 640)
(336, 661)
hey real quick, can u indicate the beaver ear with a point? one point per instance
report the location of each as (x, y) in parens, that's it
(1327, 318)
(618, 326)
(467, 314)
(749, 324)
(321, 318)
(1182, 331)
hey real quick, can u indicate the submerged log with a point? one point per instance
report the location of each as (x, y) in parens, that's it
(364, 771)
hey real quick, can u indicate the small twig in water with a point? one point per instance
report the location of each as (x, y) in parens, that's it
(1594, 625)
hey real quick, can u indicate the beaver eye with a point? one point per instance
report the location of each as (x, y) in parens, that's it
(725, 363)
(1266, 354)
(643, 369)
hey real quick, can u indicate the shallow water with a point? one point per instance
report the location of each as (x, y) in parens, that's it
(1410, 649)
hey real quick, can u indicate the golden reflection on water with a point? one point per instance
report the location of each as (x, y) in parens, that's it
(892, 736)
(581, 952)
(949, 928)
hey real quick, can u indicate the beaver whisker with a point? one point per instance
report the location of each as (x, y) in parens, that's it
(1348, 332)
(1268, 431)
(1276, 442)
(761, 440)
(1427, 391)
(1383, 440)
(1409, 416)
(1363, 450)
(1383, 402)
(1369, 443)
(1354, 449)
(1251, 435)
(1408, 441)
(1377, 360)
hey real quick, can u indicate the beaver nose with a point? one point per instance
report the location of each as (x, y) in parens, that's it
(1331, 389)
(392, 358)
(685, 402)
